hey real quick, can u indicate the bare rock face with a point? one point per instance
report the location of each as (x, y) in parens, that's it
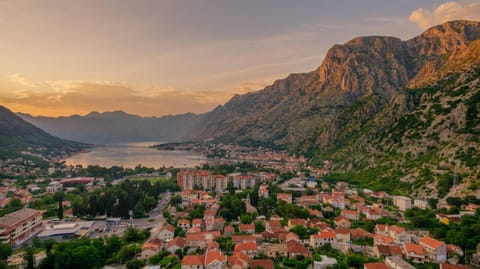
(355, 81)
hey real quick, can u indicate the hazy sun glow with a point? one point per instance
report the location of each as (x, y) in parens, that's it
(169, 57)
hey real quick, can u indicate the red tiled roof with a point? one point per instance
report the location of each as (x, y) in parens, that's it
(245, 227)
(431, 242)
(245, 246)
(298, 249)
(342, 231)
(214, 255)
(193, 260)
(415, 248)
(264, 263)
(177, 241)
(375, 265)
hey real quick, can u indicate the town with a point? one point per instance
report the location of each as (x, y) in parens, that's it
(240, 215)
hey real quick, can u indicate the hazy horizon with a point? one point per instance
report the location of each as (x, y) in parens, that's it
(172, 57)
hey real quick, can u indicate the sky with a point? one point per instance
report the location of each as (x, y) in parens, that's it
(162, 57)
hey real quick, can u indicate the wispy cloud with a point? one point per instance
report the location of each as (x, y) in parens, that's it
(447, 11)
(67, 97)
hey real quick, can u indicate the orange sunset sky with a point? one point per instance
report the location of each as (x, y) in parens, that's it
(169, 57)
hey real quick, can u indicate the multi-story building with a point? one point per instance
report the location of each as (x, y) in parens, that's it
(20, 225)
(403, 203)
(435, 250)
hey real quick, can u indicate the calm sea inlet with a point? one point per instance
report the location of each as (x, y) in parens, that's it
(132, 154)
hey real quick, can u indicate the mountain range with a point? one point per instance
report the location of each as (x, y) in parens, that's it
(117, 127)
(18, 137)
(392, 114)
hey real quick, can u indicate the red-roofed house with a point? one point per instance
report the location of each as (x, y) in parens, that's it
(322, 238)
(238, 261)
(151, 248)
(247, 248)
(343, 235)
(228, 231)
(196, 240)
(247, 228)
(295, 249)
(166, 233)
(379, 239)
(435, 250)
(342, 222)
(215, 259)
(184, 224)
(359, 233)
(176, 243)
(287, 197)
(414, 252)
(350, 214)
(292, 237)
(273, 226)
(263, 191)
(296, 222)
(193, 262)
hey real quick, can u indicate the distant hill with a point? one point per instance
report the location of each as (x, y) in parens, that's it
(17, 136)
(118, 127)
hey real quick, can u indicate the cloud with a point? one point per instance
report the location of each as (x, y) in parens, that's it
(67, 97)
(447, 11)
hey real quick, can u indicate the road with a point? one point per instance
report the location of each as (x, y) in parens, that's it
(154, 221)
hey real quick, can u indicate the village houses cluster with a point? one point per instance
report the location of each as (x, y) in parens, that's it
(399, 246)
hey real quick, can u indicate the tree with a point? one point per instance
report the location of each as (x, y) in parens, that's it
(5, 251)
(230, 188)
(29, 259)
(59, 198)
(135, 264)
(139, 210)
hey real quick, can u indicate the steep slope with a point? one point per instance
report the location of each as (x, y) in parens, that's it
(17, 135)
(311, 111)
(394, 115)
(117, 126)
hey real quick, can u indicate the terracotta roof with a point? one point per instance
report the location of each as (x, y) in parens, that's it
(431, 242)
(245, 227)
(297, 248)
(229, 228)
(214, 255)
(340, 218)
(375, 265)
(291, 236)
(169, 228)
(384, 239)
(238, 258)
(342, 231)
(177, 241)
(415, 248)
(396, 229)
(359, 232)
(264, 263)
(389, 250)
(184, 221)
(296, 222)
(246, 246)
(325, 234)
(195, 237)
(193, 260)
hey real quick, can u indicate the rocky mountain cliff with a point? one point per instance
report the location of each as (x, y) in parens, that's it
(376, 104)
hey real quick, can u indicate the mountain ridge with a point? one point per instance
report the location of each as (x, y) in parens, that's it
(18, 136)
